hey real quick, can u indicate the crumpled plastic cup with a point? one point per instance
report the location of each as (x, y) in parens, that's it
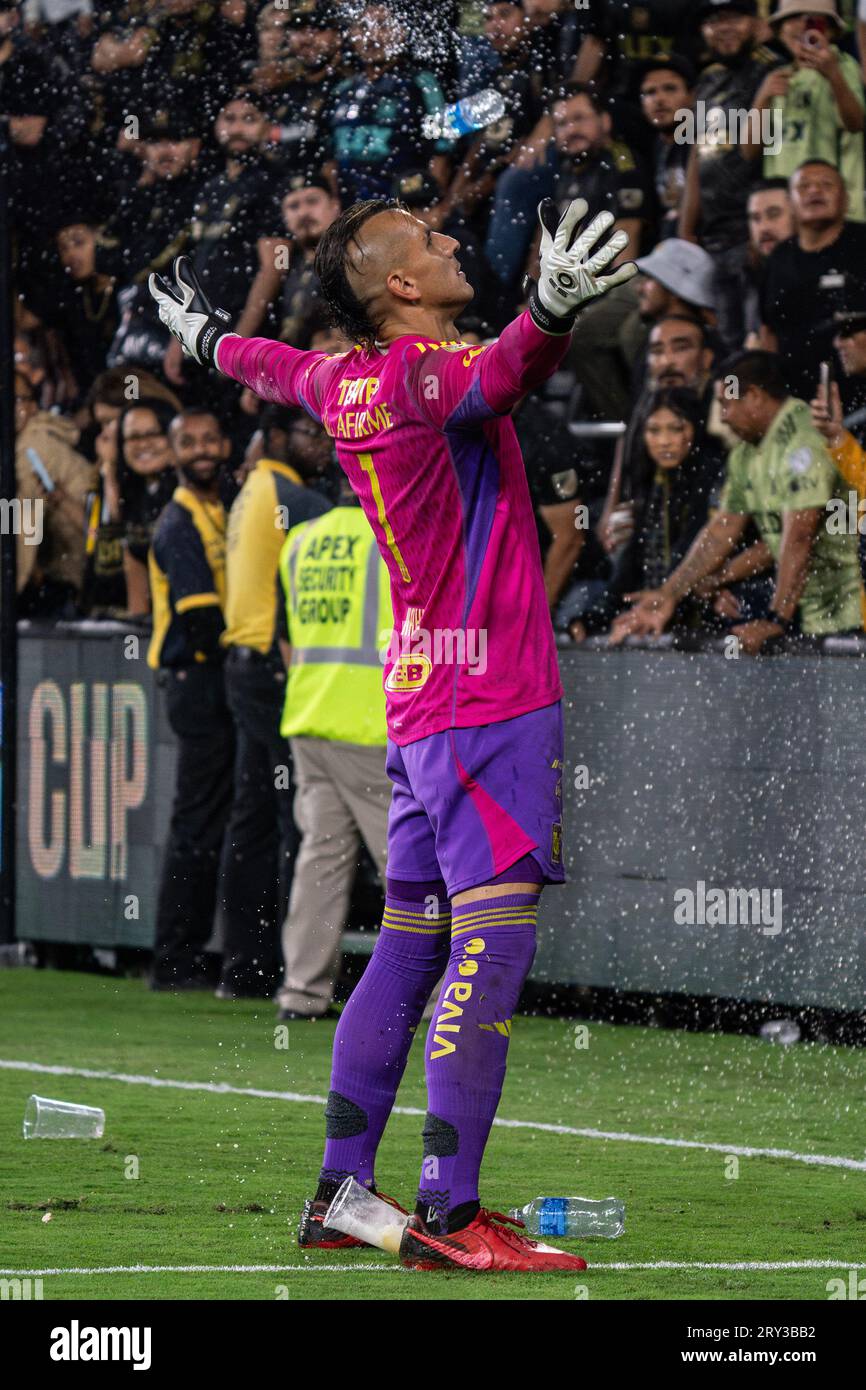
(358, 1212)
(60, 1119)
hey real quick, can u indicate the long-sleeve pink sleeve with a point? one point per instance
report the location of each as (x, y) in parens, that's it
(457, 387)
(274, 371)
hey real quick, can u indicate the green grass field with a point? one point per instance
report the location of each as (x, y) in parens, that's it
(221, 1177)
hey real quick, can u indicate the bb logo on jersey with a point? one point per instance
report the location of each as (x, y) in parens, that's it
(408, 673)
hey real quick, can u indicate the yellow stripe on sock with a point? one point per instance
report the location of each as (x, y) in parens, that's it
(405, 912)
(483, 913)
(417, 931)
(476, 928)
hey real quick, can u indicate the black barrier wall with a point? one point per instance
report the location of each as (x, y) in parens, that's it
(95, 767)
(715, 815)
(690, 769)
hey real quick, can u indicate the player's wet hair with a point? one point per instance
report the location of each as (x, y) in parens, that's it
(345, 309)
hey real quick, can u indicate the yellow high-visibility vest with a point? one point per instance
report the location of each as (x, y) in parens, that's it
(339, 616)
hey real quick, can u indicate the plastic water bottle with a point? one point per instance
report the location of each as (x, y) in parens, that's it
(573, 1216)
(780, 1030)
(461, 117)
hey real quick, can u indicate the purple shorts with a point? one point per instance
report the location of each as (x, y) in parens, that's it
(468, 803)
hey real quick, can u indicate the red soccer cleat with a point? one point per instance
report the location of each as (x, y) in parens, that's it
(485, 1244)
(313, 1234)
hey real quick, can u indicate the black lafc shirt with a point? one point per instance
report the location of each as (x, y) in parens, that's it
(231, 217)
(724, 175)
(801, 292)
(609, 181)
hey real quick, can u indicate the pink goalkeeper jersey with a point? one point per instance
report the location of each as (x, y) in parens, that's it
(423, 432)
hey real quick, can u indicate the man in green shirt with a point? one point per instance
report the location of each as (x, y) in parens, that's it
(780, 477)
(815, 103)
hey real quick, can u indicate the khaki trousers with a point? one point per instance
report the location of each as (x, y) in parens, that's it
(343, 794)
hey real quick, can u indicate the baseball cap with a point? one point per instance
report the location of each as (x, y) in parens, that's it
(169, 124)
(683, 268)
(671, 62)
(847, 321)
(707, 7)
(296, 182)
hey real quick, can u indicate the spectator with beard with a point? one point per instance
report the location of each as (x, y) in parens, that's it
(375, 116)
(664, 87)
(151, 227)
(816, 101)
(586, 162)
(591, 164)
(812, 275)
(308, 51)
(719, 176)
(771, 221)
(309, 207)
(608, 355)
(145, 483)
(235, 232)
(187, 573)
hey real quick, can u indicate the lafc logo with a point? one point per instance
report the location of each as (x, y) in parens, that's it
(408, 673)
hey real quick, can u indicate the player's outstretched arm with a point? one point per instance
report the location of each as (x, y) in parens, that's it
(272, 370)
(530, 349)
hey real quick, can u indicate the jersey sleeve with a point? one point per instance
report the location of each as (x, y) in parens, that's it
(733, 498)
(274, 371)
(450, 385)
(809, 472)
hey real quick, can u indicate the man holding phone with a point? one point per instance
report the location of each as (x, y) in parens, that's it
(817, 100)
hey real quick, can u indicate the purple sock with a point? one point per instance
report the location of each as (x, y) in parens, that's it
(492, 947)
(376, 1028)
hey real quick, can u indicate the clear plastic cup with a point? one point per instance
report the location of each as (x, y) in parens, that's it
(357, 1212)
(60, 1119)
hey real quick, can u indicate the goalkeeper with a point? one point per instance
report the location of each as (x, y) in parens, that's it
(422, 428)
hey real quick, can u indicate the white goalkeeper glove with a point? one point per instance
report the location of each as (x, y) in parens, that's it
(188, 314)
(569, 274)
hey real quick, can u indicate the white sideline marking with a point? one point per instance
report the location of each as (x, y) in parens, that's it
(758, 1266)
(223, 1088)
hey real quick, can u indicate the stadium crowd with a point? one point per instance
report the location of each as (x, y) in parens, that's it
(683, 468)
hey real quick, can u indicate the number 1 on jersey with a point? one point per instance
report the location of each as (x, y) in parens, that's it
(366, 462)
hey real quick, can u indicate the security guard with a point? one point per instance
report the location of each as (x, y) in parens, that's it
(261, 841)
(337, 607)
(187, 580)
